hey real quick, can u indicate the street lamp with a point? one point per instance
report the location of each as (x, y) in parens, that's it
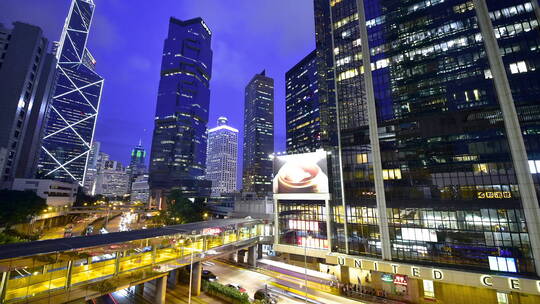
(190, 268)
(305, 265)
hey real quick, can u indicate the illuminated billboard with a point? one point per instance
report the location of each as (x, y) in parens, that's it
(301, 173)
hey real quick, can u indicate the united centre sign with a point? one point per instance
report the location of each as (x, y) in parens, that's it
(449, 276)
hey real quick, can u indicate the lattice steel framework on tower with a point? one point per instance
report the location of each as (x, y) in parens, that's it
(74, 108)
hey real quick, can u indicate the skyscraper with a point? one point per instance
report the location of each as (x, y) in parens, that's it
(258, 135)
(302, 106)
(92, 167)
(137, 164)
(27, 74)
(75, 104)
(437, 150)
(222, 157)
(178, 154)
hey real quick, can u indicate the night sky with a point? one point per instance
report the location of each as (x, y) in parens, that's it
(126, 39)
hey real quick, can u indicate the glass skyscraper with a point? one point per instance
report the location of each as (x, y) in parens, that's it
(137, 164)
(27, 75)
(75, 103)
(222, 158)
(178, 153)
(258, 135)
(302, 106)
(437, 159)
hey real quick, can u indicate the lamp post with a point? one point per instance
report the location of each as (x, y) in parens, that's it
(305, 266)
(190, 267)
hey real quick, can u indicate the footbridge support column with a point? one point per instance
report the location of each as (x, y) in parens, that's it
(252, 256)
(161, 290)
(196, 279)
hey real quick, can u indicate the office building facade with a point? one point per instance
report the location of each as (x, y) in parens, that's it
(178, 153)
(258, 135)
(222, 157)
(302, 106)
(27, 74)
(56, 194)
(438, 112)
(140, 190)
(92, 167)
(112, 179)
(75, 103)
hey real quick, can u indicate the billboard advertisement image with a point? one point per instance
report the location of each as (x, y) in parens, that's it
(301, 173)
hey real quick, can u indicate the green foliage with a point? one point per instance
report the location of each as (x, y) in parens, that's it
(8, 239)
(228, 294)
(82, 198)
(181, 210)
(17, 207)
(23, 236)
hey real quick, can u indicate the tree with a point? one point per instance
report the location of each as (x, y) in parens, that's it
(83, 198)
(17, 207)
(181, 210)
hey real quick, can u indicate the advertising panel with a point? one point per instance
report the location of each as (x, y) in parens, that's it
(301, 173)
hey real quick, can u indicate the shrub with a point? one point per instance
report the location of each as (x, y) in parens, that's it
(225, 293)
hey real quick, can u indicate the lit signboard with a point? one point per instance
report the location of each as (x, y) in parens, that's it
(400, 280)
(211, 231)
(301, 173)
(387, 278)
(494, 194)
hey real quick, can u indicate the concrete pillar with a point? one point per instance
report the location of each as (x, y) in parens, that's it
(139, 290)
(233, 256)
(259, 251)
(173, 278)
(252, 256)
(161, 290)
(196, 279)
(241, 256)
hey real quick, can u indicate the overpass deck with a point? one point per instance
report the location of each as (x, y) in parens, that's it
(62, 270)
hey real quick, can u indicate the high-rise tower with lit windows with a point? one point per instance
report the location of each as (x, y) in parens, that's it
(222, 158)
(302, 106)
(75, 103)
(258, 135)
(435, 172)
(178, 153)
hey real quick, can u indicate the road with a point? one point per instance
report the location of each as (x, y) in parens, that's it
(252, 281)
(58, 232)
(115, 224)
(248, 279)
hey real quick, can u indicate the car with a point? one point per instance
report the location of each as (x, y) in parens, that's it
(208, 276)
(265, 296)
(237, 287)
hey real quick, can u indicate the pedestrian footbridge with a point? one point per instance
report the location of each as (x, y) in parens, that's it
(78, 268)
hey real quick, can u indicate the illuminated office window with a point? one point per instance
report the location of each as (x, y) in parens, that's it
(391, 174)
(361, 158)
(502, 264)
